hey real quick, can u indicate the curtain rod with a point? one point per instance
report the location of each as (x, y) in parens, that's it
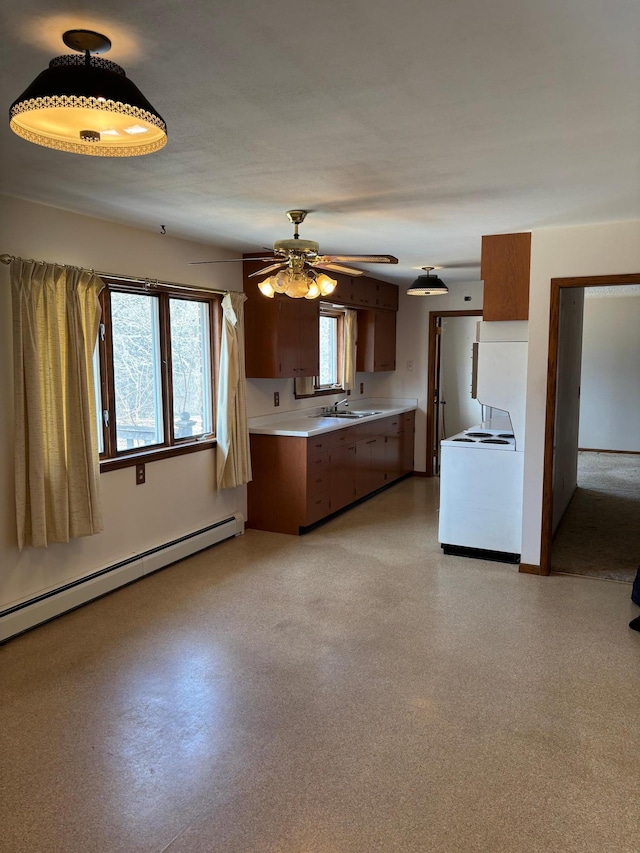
(149, 282)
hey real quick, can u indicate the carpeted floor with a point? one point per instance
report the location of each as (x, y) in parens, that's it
(599, 535)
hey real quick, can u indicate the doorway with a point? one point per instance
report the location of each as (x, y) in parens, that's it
(450, 407)
(564, 465)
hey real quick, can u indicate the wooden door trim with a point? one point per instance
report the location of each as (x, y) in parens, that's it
(431, 386)
(552, 367)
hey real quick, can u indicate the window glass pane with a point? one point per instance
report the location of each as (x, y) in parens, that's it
(191, 367)
(136, 370)
(98, 395)
(328, 351)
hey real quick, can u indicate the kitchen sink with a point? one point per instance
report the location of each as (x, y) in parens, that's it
(353, 416)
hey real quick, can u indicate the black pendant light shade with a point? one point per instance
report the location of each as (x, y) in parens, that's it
(87, 105)
(427, 285)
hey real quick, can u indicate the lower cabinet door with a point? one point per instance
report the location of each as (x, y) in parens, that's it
(343, 476)
(317, 507)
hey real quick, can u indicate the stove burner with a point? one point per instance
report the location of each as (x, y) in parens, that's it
(506, 435)
(479, 434)
(493, 441)
(470, 440)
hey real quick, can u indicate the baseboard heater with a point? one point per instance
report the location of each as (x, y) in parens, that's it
(21, 617)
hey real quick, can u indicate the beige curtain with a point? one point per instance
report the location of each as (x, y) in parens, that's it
(56, 316)
(350, 339)
(304, 385)
(232, 431)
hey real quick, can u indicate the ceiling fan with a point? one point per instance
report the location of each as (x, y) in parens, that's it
(298, 265)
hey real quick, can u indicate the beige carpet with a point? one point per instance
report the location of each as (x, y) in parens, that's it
(599, 535)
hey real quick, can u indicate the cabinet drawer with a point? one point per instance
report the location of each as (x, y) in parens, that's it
(318, 481)
(318, 444)
(317, 463)
(343, 436)
(317, 507)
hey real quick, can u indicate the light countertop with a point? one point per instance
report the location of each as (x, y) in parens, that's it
(309, 422)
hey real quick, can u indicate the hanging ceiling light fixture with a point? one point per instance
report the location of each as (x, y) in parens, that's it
(87, 105)
(427, 285)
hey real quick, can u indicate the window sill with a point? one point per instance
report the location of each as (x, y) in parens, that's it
(154, 454)
(322, 392)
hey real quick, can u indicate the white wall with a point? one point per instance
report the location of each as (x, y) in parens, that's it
(456, 347)
(565, 460)
(178, 496)
(610, 393)
(608, 249)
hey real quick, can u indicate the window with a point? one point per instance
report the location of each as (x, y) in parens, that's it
(153, 370)
(330, 378)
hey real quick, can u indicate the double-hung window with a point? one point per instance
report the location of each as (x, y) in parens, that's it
(154, 371)
(330, 378)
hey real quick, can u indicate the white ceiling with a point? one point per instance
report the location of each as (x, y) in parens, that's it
(409, 127)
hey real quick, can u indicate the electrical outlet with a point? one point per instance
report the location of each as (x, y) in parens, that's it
(410, 365)
(140, 475)
(276, 398)
(362, 387)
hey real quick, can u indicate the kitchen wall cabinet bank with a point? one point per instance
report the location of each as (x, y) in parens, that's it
(505, 265)
(299, 481)
(282, 335)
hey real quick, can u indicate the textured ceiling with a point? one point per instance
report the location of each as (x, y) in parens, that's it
(408, 127)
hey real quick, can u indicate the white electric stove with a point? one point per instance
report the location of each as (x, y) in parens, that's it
(481, 468)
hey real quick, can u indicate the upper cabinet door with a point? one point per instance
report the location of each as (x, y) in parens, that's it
(505, 265)
(298, 337)
(376, 350)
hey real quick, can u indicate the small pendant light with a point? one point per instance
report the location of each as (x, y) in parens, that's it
(427, 285)
(87, 105)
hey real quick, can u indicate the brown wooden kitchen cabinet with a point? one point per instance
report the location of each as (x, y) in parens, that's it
(299, 481)
(399, 442)
(282, 335)
(342, 473)
(505, 270)
(290, 485)
(364, 292)
(376, 341)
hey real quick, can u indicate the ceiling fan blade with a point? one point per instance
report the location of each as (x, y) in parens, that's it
(268, 269)
(336, 268)
(360, 259)
(228, 261)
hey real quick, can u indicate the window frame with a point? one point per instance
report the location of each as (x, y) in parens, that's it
(325, 390)
(111, 458)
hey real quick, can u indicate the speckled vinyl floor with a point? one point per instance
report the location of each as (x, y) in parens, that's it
(349, 691)
(599, 536)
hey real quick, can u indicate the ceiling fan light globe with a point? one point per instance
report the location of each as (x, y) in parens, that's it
(326, 284)
(266, 288)
(313, 291)
(298, 287)
(280, 281)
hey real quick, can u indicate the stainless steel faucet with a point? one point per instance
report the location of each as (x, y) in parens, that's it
(340, 403)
